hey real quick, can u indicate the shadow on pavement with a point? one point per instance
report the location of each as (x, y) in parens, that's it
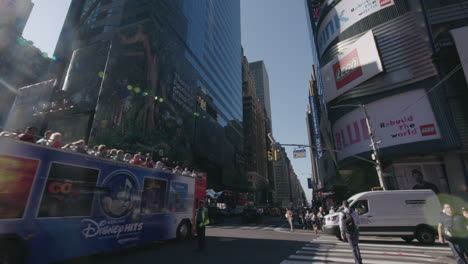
(219, 250)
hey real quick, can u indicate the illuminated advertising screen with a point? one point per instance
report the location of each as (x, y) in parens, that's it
(69, 191)
(16, 178)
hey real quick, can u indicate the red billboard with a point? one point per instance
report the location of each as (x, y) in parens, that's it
(347, 69)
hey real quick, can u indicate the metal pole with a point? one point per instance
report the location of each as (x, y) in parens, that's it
(378, 166)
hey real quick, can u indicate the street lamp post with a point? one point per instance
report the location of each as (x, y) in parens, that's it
(378, 164)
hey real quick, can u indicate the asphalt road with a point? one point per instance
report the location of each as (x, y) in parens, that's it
(272, 242)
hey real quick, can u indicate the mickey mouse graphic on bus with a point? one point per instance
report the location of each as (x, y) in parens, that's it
(121, 194)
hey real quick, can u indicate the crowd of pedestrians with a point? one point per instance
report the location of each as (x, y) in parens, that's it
(54, 140)
(307, 218)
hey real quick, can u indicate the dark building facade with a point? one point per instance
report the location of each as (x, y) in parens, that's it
(394, 57)
(254, 138)
(162, 77)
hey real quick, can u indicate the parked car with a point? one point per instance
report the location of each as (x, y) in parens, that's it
(274, 212)
(216, 215)
(238, 210)
(407, 214)
(251, 215)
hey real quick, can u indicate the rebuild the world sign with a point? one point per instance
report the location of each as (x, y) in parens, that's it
(399, 119)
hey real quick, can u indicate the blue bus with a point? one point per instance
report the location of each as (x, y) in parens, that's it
(57, 205)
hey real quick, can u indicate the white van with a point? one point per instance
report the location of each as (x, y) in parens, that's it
(407, 213)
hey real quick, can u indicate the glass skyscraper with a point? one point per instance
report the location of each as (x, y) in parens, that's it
(157, 76)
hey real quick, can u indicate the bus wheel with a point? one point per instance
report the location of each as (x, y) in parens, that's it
(183, 230)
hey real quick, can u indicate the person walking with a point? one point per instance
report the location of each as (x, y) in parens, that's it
(289, 218)
(321, 218)
(202, 220)
(349, 228)
(452, 230)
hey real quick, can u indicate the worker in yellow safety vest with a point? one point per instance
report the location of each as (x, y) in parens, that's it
(201, 220)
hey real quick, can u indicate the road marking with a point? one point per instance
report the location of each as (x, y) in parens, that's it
(369, 251)
(438, 248)
(348, 260)
(381, 253)
(385, 246)
(366, 256)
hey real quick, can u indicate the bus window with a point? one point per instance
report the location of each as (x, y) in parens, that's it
(154, 196)
(16, 178)
(67, 192)
(178, 197)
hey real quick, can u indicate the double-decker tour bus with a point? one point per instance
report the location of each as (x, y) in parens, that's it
(57, 205)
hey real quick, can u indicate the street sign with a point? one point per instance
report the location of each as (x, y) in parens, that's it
(299, 153)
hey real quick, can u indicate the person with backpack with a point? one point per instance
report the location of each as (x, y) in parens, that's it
(349, 228)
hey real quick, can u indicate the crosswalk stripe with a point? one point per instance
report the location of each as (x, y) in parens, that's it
(374, 252)
(348, 259)
(366, 256)
(393, 253)
(438, 248)
(384, 246)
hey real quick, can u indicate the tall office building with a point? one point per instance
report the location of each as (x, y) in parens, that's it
(262, 84)
(156, 76)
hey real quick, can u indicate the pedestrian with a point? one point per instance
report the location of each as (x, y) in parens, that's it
(307, 219)
(202, 220)
(465, 239)
(301, 218)
(349, 228)
(289, 218)
(314, 221)
(320, 218)
(453, 231)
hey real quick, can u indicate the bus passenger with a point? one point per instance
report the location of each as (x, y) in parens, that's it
(28, 135)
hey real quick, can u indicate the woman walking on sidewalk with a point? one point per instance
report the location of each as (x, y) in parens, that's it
(289, 218)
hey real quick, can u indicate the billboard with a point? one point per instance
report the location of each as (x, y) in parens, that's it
(69, 191)
(16, 179)
(344, 15)
(358, 63)
(399, 119)
(316, 126)
(460, 36)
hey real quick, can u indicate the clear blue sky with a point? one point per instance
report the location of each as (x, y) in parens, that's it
(274, 31)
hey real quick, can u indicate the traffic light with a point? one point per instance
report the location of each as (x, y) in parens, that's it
(270, 156)
(276, 154)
